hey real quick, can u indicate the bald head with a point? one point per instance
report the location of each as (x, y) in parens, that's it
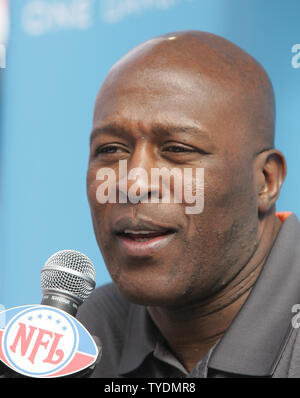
(188, 100)
(219, 68)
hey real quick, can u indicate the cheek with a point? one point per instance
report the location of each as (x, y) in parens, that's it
(228, 221)
(91, 184)
(228, 189)
(101, 187)
(192, 190)
(97, 210)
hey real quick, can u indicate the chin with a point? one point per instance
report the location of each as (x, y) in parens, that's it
(152, 296)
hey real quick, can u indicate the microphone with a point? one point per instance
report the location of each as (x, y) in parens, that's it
(67, 279)
(55, 345)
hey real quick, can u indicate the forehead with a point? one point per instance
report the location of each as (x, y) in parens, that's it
(164, 95)
(144, 95)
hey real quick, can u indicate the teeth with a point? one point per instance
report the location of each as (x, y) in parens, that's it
(129, 231)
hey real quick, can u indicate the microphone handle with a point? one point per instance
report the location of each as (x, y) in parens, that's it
(61, 301)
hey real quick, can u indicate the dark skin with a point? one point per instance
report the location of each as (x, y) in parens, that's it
(189, 100)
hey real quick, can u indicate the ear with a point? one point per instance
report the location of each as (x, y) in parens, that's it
(270, 172)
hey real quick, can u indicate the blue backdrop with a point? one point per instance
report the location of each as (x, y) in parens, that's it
(58, 55)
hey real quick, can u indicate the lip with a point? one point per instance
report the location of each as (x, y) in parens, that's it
(146, 248)
(140, 224)
(160, 236)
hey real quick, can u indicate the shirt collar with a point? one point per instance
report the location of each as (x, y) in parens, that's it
(253, 343)
(140, 339)
(255, 340)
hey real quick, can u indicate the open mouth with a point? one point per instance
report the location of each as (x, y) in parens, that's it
(143, 236)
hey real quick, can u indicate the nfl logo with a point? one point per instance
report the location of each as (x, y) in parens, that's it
(41, 341)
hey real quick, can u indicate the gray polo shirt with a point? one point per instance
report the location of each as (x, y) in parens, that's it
(260, 342)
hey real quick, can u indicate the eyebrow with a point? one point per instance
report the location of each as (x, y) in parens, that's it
(156, 129)
(113, 128)
(178, 129)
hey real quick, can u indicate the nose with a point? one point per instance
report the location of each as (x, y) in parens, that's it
(135, 184)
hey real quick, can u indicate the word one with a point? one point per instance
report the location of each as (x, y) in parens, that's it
(40, 16)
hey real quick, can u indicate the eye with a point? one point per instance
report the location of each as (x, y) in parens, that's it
(109, 150)
(178, 149)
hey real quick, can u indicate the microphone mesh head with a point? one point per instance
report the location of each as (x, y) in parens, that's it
(69, 272)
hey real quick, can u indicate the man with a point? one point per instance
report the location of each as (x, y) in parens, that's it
(192, 294)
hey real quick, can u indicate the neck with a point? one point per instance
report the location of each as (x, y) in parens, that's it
(193, 329)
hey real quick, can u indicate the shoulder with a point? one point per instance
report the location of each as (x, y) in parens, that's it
(105, 314)
(104, 306)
